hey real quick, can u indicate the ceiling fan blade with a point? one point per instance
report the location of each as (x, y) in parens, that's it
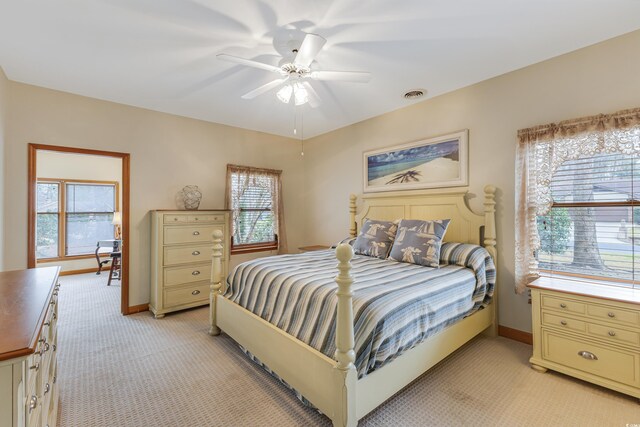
(314, 99)
(248, 62)
(343, 76)
(310, 47)
(264, 88)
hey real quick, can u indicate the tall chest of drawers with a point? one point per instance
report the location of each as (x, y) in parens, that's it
(29, 347)
(181, 246)
(588, 331)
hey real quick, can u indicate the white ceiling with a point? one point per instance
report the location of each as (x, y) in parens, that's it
(160, 54)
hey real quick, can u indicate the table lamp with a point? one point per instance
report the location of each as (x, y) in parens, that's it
(117, 221)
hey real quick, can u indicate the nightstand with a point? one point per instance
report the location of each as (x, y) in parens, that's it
(588, 331)
(312, 248)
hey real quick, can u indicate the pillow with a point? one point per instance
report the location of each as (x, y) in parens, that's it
(375, 238)
(418, 242)
(348, 240)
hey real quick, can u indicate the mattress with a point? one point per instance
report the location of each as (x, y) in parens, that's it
(396, 305)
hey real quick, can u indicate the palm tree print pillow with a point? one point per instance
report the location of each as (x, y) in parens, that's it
(418, 242)
(375, 238)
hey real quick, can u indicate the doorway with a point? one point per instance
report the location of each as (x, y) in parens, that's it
(69, 188)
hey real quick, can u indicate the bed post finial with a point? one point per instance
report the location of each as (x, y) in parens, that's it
(216, 281)
(353, 228)
(345, 414)
(490, 221)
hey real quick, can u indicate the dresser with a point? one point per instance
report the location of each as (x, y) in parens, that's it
(181, 244)
(588, 331)
(28, 347)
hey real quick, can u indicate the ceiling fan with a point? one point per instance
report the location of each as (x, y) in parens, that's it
(295, 75)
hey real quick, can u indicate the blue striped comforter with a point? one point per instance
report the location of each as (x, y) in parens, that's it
(396, 305)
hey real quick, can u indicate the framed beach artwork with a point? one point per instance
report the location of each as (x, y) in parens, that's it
(429, 163)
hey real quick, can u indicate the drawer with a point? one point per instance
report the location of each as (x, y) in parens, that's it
(614, 314)
(206, 218)
(190, 234)
(562, 304)
(168, 219)
(617, 365)
(174, 255)
(614, 334)
(559, 321)
(181, 275)
(197, 293)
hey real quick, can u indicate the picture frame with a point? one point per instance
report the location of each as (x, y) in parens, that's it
(436, 162)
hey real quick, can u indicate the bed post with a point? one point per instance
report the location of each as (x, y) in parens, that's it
(345, 415)
(353, 228)
(490, 246)
(216, 284)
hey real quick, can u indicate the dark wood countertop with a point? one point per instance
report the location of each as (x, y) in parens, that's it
(24, 298)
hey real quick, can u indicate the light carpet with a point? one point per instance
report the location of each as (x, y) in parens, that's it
(138, 371)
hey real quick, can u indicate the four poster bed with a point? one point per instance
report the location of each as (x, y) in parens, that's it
(341, 386)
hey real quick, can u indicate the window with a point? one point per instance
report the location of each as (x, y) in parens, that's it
(72, 216)
(578, 200)
(593, 226)
(253, 195)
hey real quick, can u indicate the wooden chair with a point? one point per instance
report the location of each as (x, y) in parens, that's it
(115, 271)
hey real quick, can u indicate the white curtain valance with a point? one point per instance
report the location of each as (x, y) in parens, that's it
(541, 151)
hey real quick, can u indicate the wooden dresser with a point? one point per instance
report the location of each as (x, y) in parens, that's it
(28, 347)
(588, 331)
(181, 257)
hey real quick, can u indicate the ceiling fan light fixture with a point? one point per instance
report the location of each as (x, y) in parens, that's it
(301, 96)
(284, 94)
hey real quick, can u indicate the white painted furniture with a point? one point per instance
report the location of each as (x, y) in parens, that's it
(331, 384)
(29, 347)
(588, 331)
(181, 257)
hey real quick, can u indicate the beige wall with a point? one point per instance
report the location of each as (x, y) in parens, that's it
(598, 79)
(4, 83)
(54, 164)
(167, 153)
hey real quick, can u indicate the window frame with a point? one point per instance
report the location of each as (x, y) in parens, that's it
(246, 248)
(62, 215)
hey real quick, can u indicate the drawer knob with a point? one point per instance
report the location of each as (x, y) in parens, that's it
(47, 388)
(196, 218)
(195, 272)
(36, 366)
(54, 349)
(196, 233)
(611, 314)
(46, 346)
(55, 379)
(563, 322)
(587, 355)
(195, 253)
(612, 333)
(47, 323)
(196, 292)
(175, 219)
(33, 402)
(563, 305)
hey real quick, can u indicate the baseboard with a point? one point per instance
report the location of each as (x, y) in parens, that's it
(138, 308)
(82, 271)
(515, 334)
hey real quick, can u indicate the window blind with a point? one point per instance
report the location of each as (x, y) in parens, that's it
(593, 226)
(253, 206)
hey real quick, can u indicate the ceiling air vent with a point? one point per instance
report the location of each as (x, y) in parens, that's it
(415, 94)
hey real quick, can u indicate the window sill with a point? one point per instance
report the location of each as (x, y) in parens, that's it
(589, 288)
(247, 249)
(71, 258)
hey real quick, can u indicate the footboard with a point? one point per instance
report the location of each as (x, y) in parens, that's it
(327, 383)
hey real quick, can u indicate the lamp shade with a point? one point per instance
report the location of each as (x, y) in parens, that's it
(117, 218)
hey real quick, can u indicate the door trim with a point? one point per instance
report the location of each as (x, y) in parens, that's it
(125, 209)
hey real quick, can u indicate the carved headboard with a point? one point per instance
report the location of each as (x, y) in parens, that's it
(466, 226)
